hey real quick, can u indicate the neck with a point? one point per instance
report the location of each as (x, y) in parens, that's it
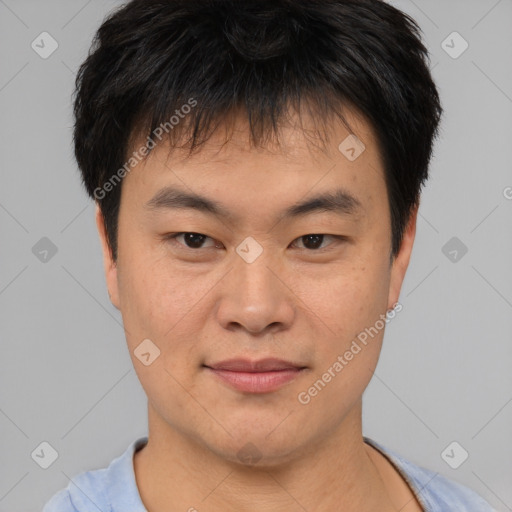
(175, 472)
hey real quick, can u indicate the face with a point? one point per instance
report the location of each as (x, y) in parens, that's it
(246, 274)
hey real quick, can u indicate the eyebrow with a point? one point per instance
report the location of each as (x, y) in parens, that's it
(338, 201)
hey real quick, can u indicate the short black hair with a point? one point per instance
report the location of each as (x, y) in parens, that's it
(188, 65)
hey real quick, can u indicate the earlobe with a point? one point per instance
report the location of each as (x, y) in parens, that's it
(110, 267)
(401, 261)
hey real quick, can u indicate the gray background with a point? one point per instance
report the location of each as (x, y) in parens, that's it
(65, 374)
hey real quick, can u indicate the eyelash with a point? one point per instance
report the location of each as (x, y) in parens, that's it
(172, 238)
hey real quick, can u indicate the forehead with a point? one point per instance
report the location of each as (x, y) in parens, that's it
(235, 172)
(297, 138)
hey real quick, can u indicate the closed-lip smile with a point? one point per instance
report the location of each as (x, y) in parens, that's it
(256, 376)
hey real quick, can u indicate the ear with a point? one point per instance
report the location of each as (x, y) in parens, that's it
(401, 260)
(109, 265)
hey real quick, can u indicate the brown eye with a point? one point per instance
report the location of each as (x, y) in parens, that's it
(313, 241)
(192, 240)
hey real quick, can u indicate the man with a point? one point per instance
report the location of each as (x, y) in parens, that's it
(257, 169)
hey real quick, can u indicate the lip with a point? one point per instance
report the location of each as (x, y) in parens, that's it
(261, 376)
(268, 364)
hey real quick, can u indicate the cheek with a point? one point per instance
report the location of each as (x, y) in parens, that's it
(159, 306)
(347, 298)
(166, 303)
(149, 296)
(354, 308)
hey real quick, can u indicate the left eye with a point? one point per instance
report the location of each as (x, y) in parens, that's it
(314, 241)
(196, 240)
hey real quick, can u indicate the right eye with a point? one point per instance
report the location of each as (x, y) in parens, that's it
(190, 240)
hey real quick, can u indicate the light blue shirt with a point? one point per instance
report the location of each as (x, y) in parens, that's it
(114, 489)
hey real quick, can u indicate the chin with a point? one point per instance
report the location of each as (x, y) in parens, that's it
(261, 455)
(261, 446)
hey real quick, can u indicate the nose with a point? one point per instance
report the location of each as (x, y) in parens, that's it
(255, 298)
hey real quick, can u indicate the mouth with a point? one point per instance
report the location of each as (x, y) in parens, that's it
(262, 376)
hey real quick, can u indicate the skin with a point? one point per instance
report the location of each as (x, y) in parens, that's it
(205, 305)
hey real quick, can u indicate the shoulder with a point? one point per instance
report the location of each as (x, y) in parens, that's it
(85, 490)
(435, 492)
(61, 502)
(109, 489)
